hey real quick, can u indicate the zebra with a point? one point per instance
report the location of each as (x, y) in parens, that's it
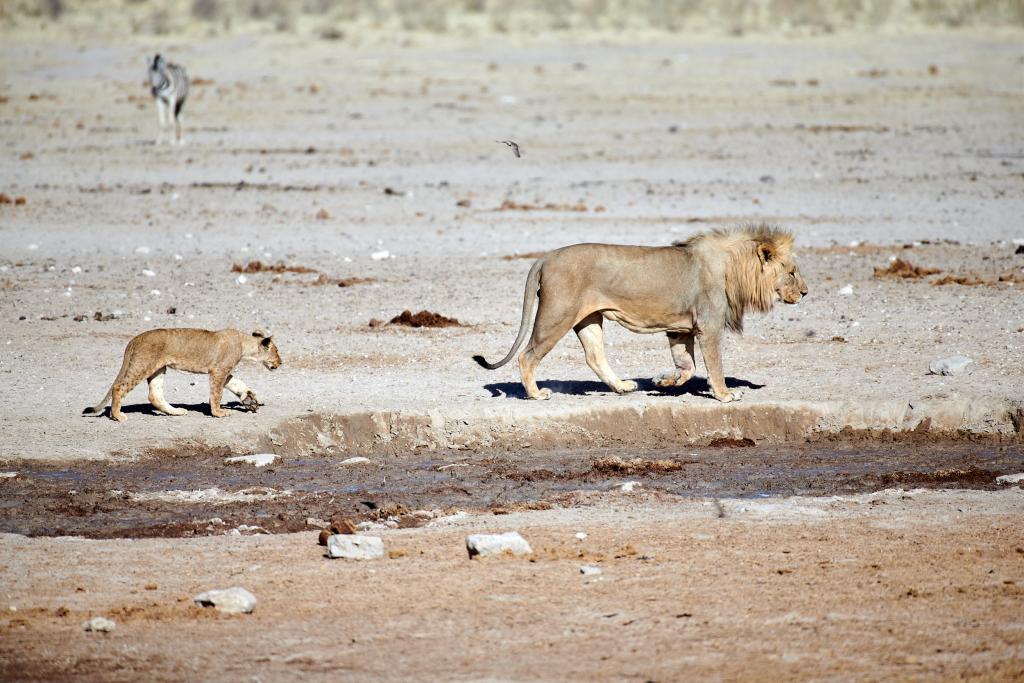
(169, 85)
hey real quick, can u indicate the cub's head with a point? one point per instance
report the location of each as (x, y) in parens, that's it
(779, 268)
(266, 351)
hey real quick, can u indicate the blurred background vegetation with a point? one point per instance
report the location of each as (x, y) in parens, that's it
(335, 19)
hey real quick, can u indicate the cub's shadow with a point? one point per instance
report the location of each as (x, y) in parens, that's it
(697, 386)
(148, 409)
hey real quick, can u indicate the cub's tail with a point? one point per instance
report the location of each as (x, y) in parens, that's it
(98, 408)
(529, 304)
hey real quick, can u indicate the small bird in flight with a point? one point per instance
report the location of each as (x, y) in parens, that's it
(513, 145)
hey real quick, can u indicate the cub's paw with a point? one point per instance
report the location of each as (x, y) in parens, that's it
(625, 386)
(667, 379)
(219, 413)
(118, 417)
(727, 397)
(177, 412)
(250, 403)
(541, 395)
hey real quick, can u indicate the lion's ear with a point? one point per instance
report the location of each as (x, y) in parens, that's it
(266, 341)
(258, 335)
(766, 252)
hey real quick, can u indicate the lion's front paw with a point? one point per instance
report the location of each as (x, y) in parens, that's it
(626, 386)
(727, 397)
(219, 412)
(118, 417)
(667, 379)
(541, 395)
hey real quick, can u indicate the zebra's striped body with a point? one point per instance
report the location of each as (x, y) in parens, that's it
(169, 85)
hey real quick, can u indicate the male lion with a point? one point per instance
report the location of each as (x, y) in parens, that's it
(694, 289)
(148, 356)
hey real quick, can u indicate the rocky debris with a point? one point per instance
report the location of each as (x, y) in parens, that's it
(381, 255)
(489, 545)
(846, 291)
(1010, 478)
(355, 547)
(952, 366)
(8, 475)
(590, 570)
(1020, 250)
(256, 459)
(100, 625)
(628, 486)
(728, 442)
(904, 269)
(358, 460)
(581, 535)
(235, 600)
(424, 319)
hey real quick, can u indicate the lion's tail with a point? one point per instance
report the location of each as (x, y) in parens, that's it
(529, 304)
(98, 408)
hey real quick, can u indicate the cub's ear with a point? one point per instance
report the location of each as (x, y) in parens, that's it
(766, 252)
(266, 341)
(258, 335)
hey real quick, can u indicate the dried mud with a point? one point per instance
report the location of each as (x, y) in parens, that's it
(137, 499)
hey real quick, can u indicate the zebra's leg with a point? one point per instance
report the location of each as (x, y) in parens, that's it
(177, 127)
(161, 112)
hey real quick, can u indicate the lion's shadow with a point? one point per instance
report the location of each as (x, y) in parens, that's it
(148, 409)
(697, 386)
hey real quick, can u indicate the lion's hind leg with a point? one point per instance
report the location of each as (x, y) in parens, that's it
(681, 346)
(551, 324)
(124, 384)
(591, 335)
(156, 394)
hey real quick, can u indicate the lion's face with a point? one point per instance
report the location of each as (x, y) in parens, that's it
(268, 354)
(789, 286)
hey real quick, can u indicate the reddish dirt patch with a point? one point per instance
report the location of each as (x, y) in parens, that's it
(616, 465)
(509, 205)
(528, 255)
(904, 269)
(279, 267)
(424, 319)
(731, 443)
(959, 280)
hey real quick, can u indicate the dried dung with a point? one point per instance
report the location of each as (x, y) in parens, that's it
(959, 280)
(424, 319)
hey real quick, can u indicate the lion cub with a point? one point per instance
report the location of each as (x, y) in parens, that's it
(148, 356)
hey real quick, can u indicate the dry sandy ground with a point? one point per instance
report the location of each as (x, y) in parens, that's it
(887, 142)
(896, 585)
(884, 141)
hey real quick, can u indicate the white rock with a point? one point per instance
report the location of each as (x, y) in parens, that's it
(1010, 478)
(241, 279)
(355, 547)
(8, 475)
(846, 291)
(142, 250)
(589, 570)
(487, 545)
(155, 292)
(76, 270)
(380, 255)
(580, 535)
(628, 486)
(99, 624)
(234, 600)
(256, 459)
(358, 460)
(149, 273)
(33, 247)
(954, 365)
